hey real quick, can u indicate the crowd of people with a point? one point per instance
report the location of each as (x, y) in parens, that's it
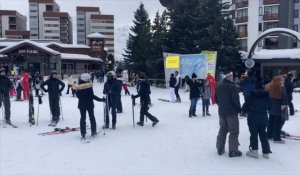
(263, 103)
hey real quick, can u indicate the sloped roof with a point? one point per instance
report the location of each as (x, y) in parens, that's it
(67, 56)
(38, 45)
(96, 35)
(68, 45)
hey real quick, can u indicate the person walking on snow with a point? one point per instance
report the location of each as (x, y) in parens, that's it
(206, 94)
(257, 109)
(86, 96)
(194, 93)
(177, 86)
(54, 89)
(172, 83)
(212, 84)
(228, 100)
(5, 86)
(144, 94)
(289, 91)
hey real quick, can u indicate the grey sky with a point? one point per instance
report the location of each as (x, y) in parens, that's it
(122, 9)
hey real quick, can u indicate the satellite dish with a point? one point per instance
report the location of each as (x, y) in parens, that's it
(249, 63)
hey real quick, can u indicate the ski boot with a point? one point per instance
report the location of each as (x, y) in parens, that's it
(266, 156)
(208, 114)
(194, 113)
(154, 123)
(113, 126)
(221, 152)
(252, 153)
(140, 123)
(235, 153)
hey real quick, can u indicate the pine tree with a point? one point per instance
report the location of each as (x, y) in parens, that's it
(138, 44)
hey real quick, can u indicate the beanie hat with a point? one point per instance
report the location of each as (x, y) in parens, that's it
(85, 77)
(111, 73)
(194, 75)
(142, 75)
(228, 73)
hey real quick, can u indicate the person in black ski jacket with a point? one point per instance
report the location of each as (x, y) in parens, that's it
(257, 108)
(172, 84)
(144, 94)
(112, 90)
(54, 89)
(289, 87)
(5, 86)
(86, 96)
(120, 83)
(194, 93)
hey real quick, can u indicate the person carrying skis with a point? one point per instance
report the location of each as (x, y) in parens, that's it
(54, 89)
(112, 90)
(257, 109)
(144, 94)
(228, 101)
(194, 93)
(5, 86)
(85, 94)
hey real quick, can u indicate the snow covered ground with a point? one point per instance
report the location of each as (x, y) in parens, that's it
(177, 145)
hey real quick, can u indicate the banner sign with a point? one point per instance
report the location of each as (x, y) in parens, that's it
(211, 62)
(194, 63)
(172, 62)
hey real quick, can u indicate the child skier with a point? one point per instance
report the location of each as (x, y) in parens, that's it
(86, 96)
(19, 88)
(125, 87)
(206, 94)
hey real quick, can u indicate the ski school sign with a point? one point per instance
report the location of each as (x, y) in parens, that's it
(200, 64)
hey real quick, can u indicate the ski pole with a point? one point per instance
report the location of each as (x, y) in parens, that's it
(38, 114)
(133, 113)
(104, 118)
(61, 110)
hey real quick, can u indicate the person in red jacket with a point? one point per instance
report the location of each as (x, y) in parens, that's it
(25, 84)
(212, 84)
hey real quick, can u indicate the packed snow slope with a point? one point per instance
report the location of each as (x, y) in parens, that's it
(177, 145)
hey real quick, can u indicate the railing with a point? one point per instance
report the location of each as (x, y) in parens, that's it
(267, 2)
(242, 34)
(241, 19)
(241, 4)
(268, 17)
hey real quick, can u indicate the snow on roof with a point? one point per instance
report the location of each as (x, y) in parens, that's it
(297, 34)
(106, 49)
(96, 35)
(38, 45)
(67, 56)
(6, 44)
(68, 45)
(277, 54)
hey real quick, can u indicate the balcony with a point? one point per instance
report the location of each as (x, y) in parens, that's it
(242, 34)
(268, 2)
(241, 19)
(241, 4)
(269, 17)
(245, 49)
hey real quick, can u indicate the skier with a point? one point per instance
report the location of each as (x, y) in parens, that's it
(112, 90)
(228, 100)
(25, 84)
(206, 94)
(120, 82)
(177, 86)
(289, 90)
(257, 109)
(37, 83)
(86, 96)
(5, 86)
(144, 94)
(278, 100)
(54, 88)
(125, 87)
(194, 93)
(19, 88)
(172, 84)
(212, 84)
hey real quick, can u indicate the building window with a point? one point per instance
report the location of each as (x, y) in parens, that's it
(260, 27)
(242, 13)
(49, 8)
(296, 27)
(271, 43)
(51, 19)
(242, 31)
(33, 17)
(270, 10)
(243, 44)
(296, 13)
(260, 11)
(270, 25)
(12, 20)
(51, 25)
(33, 4)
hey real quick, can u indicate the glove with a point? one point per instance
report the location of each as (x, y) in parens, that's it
(104, 99)
(132, 97)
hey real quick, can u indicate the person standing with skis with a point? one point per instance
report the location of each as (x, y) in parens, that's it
(25, 84)
(5, 86)
(54, 89)
(86, 96)
(177, 86)
(112, 90)
(144, 94)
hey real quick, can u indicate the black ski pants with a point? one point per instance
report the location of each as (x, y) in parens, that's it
(176, 93)
(5, 102)
(256, 129)
(83, 121)
(112, 105)
(119, 106)
(144, 112)
(291, 105)
(275, 125)
(68, 90)
(54, 107)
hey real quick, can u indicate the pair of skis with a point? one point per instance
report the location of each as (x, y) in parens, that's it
(57, 131)
(289, 136)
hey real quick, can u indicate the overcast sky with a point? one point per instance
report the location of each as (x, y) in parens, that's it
(122, 9)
